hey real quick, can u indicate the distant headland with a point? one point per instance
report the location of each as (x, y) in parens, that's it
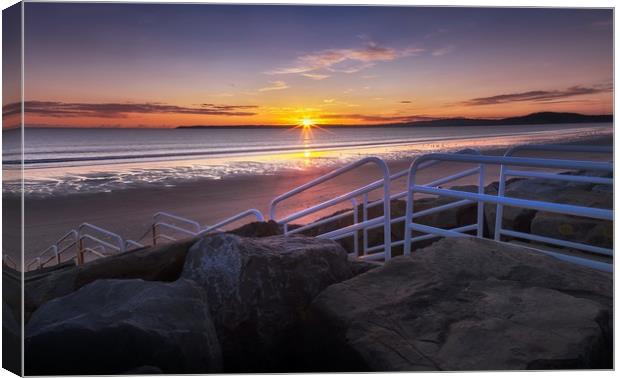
(530, 119)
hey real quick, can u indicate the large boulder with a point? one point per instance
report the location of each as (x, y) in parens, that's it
(595, 232)
(258, 229)
(464, 304)
(569, 193)
(259, 290)
(114, 326)
(158, 263)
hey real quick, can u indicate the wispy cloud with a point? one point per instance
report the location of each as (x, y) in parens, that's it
(275, 86)
(405, 102)
(315, 76)
(442, 51)
(539, 95)
(344, 60)
(121, 110)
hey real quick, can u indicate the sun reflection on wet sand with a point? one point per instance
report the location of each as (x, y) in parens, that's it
(105, 176)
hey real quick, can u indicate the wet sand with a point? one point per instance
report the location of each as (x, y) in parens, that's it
(129, 212)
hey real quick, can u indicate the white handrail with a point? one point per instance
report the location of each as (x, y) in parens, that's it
(192, 228)
(250, 212)
(350, 230)
(501, 199)
(8, 260)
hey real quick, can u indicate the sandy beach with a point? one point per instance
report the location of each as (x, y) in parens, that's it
(129, 212)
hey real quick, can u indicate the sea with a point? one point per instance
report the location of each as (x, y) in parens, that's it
(65, 161)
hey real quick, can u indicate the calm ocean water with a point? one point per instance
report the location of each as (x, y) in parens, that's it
(65, 161)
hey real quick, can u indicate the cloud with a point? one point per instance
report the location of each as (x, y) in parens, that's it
(405, 102)
(539, 95)
(345, 60)
(329, 100)
(442, 51)
(315, 76)
(275, 86)
(121, 110)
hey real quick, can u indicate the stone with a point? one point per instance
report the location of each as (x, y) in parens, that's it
(158, 263)
(259, 290)
(113, 326)
(258, 229)
(360, 266)
(519, 219)
(595, 232)
(464, 304)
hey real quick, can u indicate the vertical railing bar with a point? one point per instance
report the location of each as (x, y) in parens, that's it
(499, 210)
(355, 221)
(481, 183)
(364, 219)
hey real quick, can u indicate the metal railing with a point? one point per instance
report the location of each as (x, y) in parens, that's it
(175, 223)
(8, 261)
(244, 214)
(85, 234)
(347, 231)
(502, 200)
(368, 252)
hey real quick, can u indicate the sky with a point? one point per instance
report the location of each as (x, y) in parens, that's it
(165, 65)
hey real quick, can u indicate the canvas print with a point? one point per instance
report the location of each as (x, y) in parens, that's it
(235, 188)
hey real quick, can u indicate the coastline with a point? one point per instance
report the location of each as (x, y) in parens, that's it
(129, 211)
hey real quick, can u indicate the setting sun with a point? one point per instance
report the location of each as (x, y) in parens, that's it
(307, 122)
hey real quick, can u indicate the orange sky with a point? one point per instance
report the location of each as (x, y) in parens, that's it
(165, 66)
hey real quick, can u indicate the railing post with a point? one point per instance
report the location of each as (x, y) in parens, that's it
(80, 251)
(355, 221)
(481, 183)
(364, 219)
(499, 210)
(409, 210)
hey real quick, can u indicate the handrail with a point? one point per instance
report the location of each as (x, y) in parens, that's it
(177, 218)
(192, 229)
(250, 212)
(9, 260)
(132, 243)
(112, 235)
(384, 182)
(120, 244)
(500, 199)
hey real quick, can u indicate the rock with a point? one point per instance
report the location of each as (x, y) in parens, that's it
(259, 290)
(464, 304)
(112, 326)
(361, 266)
(518, 219)
(258, 229)
(595, 232)
(159, 263)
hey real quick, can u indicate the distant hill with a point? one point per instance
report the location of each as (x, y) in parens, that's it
(530, 119)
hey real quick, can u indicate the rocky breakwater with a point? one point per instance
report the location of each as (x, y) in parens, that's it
(465, 304)
(225, 303)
